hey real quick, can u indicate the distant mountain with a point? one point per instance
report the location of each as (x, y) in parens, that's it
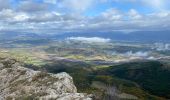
(140, 36)
(16, 35)
(136, 36)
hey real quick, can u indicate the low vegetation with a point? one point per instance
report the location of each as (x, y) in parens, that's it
(140, 79)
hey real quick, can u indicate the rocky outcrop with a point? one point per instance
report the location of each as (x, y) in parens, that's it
(20, 83)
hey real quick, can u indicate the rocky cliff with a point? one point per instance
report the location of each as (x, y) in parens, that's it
(20, 83)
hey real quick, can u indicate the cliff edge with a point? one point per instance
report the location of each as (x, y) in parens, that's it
(20, 83)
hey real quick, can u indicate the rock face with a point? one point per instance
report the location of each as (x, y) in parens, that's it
(20, 83)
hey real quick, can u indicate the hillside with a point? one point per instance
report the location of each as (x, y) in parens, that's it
(152, 76)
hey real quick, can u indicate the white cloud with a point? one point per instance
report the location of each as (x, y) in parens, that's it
(29, 14)
(76, 5)
(144, 54)
(133, 14)
(89, 39)
(156, 4)
(30, 6)
(4, 4)
(50, 1)
(108, 21)
(112, 14)
(21, 17)
(136, 54)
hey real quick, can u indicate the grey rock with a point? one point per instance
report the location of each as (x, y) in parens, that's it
(18, 82)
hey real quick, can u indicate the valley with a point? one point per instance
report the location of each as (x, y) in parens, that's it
(108, 70)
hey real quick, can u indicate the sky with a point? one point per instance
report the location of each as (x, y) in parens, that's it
(61, 16)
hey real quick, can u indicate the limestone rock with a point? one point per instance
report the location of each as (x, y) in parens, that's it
(17, 82)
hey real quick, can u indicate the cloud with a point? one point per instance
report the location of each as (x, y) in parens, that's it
(161, 46)
(76, 5)
(30, 6)
(133, 14)
(89, 39)
(8, 16)
(112, 14)
(4, 4)
(157, 4)
(108, 21)
(137, 54)
(61, 16)
(50, 1)
(143, 54)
